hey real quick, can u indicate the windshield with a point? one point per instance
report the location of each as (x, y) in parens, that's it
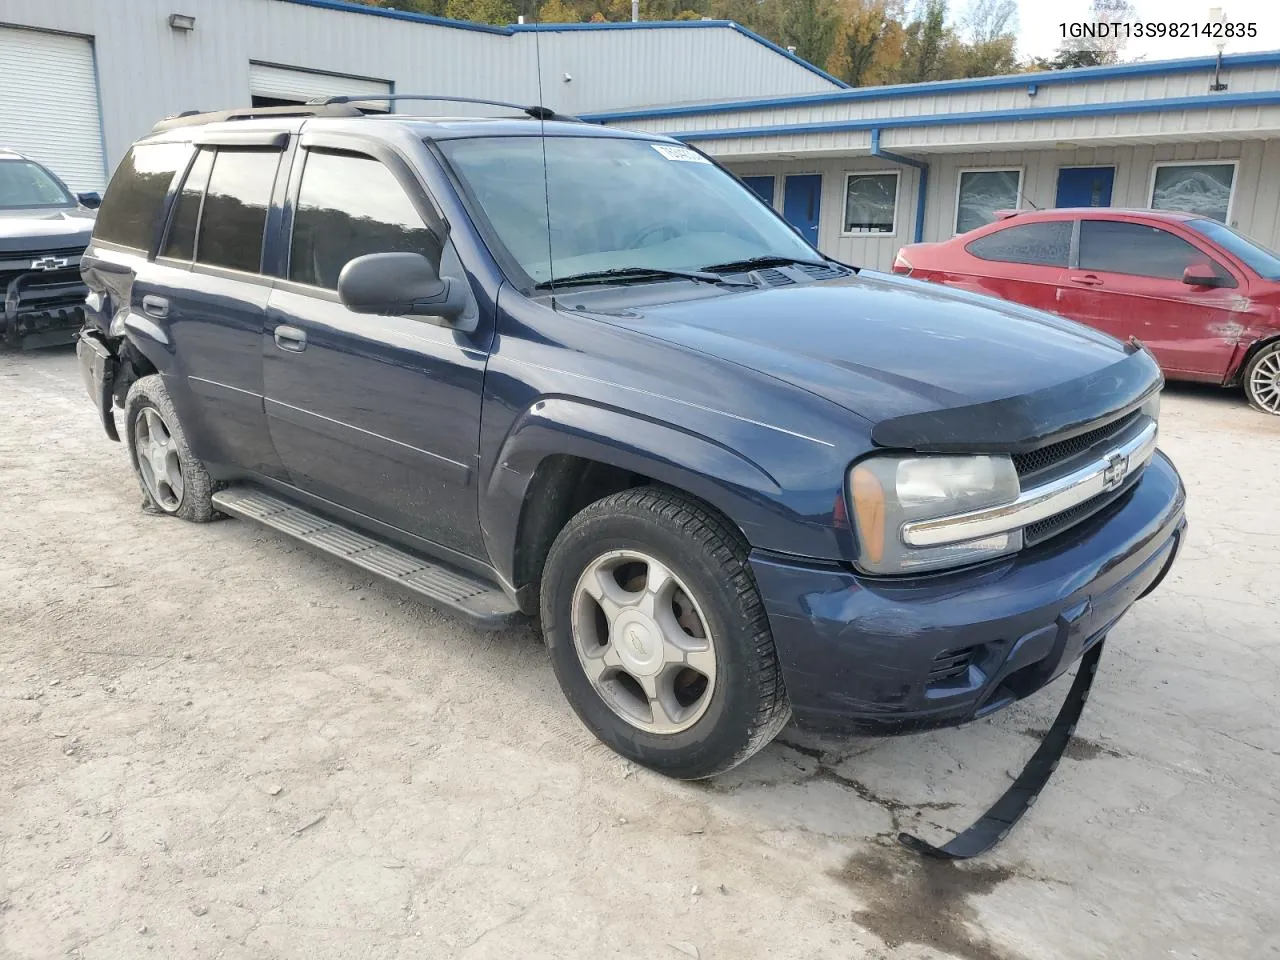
(614, 204)
(27, 184)
(1265, 263)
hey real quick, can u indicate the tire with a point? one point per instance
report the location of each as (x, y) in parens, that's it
(188, 497)
(1261, 380)
(697, 727)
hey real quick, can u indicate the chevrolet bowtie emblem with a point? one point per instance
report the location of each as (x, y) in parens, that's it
(1117, 469)
(50, 263)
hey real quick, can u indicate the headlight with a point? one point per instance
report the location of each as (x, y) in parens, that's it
(890, 491)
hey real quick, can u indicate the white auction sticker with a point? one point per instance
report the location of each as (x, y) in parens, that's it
(679, 153)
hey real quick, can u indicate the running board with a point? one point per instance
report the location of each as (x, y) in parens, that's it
(464, 594)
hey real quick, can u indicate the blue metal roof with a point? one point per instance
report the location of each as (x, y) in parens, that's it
(514, 28)
(1076, 75)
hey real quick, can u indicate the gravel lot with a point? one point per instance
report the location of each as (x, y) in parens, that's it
(216, 744)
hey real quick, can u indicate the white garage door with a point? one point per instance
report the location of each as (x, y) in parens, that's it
(49, 104)
(299, 86)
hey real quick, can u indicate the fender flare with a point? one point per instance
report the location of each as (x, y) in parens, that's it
(738, 487)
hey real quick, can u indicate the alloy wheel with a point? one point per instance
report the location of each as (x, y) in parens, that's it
(158, 461)
(643, 642)
(1264, 382)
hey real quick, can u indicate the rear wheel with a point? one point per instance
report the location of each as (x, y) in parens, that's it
(1262, 379)
(173, 481)
(658, 636)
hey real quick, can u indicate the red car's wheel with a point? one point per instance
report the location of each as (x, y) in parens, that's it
(1262, 379)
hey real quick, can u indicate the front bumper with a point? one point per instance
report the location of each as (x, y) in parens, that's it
(894, 655)
(42, 310)
(98, 366)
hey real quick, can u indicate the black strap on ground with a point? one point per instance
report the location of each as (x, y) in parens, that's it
(995, 824)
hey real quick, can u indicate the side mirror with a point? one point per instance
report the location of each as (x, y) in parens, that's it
(91, 200)
(1202, 275)
(396, 284)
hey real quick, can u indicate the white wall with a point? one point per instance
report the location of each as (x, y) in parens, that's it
(1255, 203)
(147, 70)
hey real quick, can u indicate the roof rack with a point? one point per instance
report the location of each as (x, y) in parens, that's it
(192, 118)
(535, 111)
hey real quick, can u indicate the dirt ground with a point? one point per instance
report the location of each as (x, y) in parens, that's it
(216, 744)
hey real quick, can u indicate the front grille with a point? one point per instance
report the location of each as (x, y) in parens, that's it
(15, 263)
(1054, 454)
(1059, 523)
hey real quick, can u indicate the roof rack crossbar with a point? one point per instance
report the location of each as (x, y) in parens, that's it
(534, 111)
(195, 118)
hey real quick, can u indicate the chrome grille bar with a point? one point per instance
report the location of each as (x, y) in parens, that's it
(1039, 502)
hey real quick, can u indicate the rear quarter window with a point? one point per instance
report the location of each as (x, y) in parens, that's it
(133, 207)
(1038, 244)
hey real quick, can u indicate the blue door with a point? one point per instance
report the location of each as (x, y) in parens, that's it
(801, 204)
(762, 187)
(1085, 186)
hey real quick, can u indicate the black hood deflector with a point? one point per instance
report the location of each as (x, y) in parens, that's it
(1023, 423)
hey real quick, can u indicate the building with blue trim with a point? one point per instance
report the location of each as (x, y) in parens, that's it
(865, 171)
(81, 79)
(859, 171)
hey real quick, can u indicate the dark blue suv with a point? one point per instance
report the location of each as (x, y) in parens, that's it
(532, 367)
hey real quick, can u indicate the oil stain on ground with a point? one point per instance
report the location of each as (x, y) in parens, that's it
(913, 899)
(1078, 748)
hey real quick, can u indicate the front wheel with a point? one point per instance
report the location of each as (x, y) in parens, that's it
(1262, 379)
(658, 636)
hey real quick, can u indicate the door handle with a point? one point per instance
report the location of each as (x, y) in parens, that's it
(1088, 280)
(154, 306)
(290, 338)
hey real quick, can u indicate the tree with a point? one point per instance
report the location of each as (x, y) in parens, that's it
(988, 20)
(481, 11)
(810, 27)
(865, 26)
(926, 38)
(1091, 51)
(558, 11)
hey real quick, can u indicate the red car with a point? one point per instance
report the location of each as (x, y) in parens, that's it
(1204, 298)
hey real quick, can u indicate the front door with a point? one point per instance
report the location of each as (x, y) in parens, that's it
(1128, 282)
(762, 187)
(1085, 186)
(380, 415)
(802, 204)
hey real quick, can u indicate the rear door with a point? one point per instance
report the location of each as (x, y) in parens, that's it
(1023, 262)
(212, 297)
(1128, 283)
(380, 415)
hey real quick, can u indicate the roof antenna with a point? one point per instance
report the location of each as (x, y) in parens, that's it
(541, 117)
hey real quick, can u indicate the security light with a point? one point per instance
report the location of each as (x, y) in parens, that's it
(182, 21)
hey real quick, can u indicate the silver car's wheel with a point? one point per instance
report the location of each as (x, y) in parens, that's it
(643, 642)
(158, 460)
(1262, 380)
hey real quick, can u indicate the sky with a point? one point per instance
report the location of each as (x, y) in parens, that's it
(1039, 33)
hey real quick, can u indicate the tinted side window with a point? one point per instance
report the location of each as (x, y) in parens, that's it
(333, 223)
(1118, 247)
(235, 209)
(1043, 244)
(134, 203)
(181, 242)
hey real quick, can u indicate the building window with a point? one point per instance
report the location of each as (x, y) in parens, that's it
(980, 193)
(871, 203)
(1200, 188)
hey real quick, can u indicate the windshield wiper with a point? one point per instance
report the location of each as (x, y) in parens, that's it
(754, 263)
(639, 275)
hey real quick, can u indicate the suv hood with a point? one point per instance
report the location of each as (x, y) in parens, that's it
(28, 230)
(886, 347)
